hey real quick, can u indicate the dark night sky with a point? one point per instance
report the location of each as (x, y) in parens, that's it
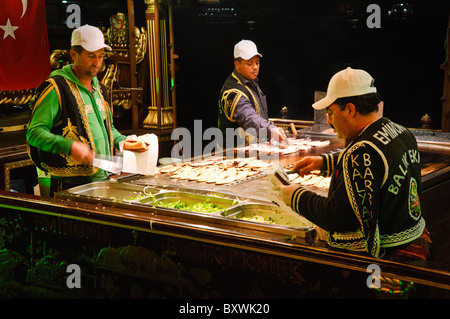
(303, 44)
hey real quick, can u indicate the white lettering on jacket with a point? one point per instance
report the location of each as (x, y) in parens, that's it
(388, 132)
(409, 157)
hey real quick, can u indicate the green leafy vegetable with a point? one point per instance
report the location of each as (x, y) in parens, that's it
(203, 207)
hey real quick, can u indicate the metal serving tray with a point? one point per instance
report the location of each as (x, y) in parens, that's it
(232, 209)
(189, 199)
(269, 217)
(108, 191)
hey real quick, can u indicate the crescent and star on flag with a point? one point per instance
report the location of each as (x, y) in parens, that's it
(8, 28)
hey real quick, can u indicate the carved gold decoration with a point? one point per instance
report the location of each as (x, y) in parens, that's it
(395, 287)
(13, 165)
(151, 121)
(140, 36)
(150, 6)
(160, 115)
(17, 97)
(118, 32)
(59, 58)
(117, 37)
(118, 60)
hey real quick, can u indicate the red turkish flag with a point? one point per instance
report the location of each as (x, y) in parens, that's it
(24, 50)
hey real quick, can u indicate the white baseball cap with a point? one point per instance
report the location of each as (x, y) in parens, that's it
(348, 82)
(90, 38)
(246, 50)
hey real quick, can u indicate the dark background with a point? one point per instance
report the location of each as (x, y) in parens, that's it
(303, 44)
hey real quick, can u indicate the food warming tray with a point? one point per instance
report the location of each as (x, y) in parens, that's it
(233, 211)
(189, 199)
(107, 191)
(271, 216)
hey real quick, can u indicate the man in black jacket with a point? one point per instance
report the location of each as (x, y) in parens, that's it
(242, 104)
(373, 203)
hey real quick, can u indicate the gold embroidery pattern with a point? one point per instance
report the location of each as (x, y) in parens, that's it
(414, 201)
(254, 99)
(357, 235)
(73, 171)
(355, 245)
(108, 120)
(82, 110)
(229, 105)
(358, 242)
(70, 132)
(258, 111)
(405, 236)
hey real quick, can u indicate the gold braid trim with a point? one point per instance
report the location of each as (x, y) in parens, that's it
(82, 110)
(108, 121)
(258, 111)
(229, 106)
(257, 108)
(71, 132)
(51, 86)
(355, 245)
(69, 171)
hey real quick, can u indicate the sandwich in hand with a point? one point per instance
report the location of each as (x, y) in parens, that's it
(136, 144)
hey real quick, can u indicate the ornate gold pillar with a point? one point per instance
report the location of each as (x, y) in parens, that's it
(160, 118)
(133, 72)
(445, 127)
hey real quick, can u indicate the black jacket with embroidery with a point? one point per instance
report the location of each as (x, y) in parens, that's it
(373, 200)
(73, 125)
(254, 120)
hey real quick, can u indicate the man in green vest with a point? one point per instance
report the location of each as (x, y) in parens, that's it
(71, 119)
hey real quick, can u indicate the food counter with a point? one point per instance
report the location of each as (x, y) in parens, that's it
(130, 239)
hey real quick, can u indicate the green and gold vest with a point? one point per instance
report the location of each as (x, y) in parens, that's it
(72, 125)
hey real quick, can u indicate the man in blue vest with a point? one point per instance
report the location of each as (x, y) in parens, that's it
(242, 104)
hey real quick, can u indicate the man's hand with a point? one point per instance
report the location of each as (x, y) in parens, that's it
(278, 134)
(131, 138)
(308, 164)
(81, 153)
(128, 138)
(285, 191)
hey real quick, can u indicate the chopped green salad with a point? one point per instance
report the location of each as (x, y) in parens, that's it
(202, 207)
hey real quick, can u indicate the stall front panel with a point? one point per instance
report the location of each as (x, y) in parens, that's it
(65, 249)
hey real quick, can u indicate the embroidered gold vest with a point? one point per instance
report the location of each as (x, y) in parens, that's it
(73, 125)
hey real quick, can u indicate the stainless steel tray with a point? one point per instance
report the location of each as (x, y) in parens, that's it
(187, 200)
(232, 209)
(108, 191)
(270, 217)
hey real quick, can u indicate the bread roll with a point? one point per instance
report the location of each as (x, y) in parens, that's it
(135, 146)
